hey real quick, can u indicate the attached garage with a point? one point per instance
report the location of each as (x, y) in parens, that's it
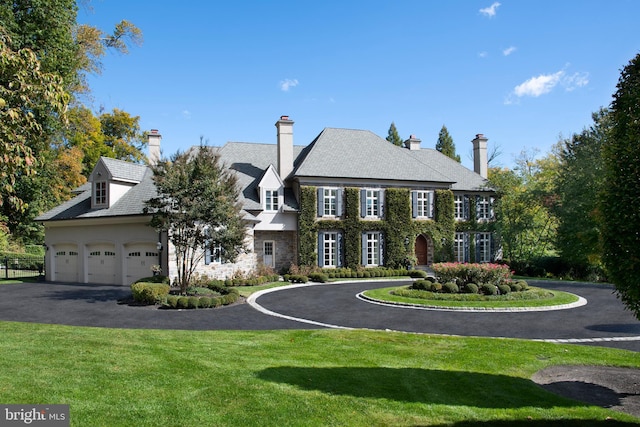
(65, 263)
(139, 258)
(101, 263)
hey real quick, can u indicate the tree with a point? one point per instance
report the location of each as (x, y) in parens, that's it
(580, 181)
(445, 144)
(393, 136)
(26, 93)
(524, 207)
(197, 205)
(621, 190)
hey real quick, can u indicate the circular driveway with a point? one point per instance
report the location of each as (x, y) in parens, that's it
(602, 321)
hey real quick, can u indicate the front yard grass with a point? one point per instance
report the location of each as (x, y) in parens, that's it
(122, 377)
(472, 300)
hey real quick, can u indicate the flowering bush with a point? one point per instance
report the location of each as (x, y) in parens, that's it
(463, 273)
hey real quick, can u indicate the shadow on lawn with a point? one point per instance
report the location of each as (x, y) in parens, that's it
(436, 387)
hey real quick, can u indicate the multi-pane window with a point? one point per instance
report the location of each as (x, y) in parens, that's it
(213, 254)
(483, 208)
(329, 200)
(458, 212)
(330, 249)
(422, 204)
(100, 193)
(268, 253)
(271, 200)
(460, 247)
(483, 247)
(373, 203)
(372, 248)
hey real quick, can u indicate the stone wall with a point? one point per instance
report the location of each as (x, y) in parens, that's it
(285, 247)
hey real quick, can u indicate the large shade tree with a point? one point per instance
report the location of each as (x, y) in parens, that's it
(197, 206)
(621, 191)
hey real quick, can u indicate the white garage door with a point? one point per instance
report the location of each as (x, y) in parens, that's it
(66, 263)
(101, 263)
(139, 259)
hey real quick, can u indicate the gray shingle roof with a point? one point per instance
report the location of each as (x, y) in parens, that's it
(250, 160)
(124, 171)
(131, 203)
(465, 179)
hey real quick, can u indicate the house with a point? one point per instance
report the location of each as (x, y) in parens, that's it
(347, 198)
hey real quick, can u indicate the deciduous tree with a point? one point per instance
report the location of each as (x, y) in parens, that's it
(197, 205)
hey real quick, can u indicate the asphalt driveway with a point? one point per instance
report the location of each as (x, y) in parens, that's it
(602, 321)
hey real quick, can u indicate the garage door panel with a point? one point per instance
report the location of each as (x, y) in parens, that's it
(101, 264)
(66, 263)
(139, 260)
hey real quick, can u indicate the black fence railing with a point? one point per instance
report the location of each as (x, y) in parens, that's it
(13, 267)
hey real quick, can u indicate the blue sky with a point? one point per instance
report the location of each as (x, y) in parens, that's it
(521, 72)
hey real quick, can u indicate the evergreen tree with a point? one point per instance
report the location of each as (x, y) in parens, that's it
(445, 144)
(621, 190)
(393, 136)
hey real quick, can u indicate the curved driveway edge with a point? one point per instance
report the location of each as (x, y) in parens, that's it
(603, 321)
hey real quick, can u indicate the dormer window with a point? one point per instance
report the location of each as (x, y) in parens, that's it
(271, 200)
(100, 193)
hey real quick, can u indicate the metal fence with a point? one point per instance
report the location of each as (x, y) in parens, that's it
(13, 267)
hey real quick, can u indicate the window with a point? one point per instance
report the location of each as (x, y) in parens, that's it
(329, 202)
(483, 247)
(372, 244)
(371, 203)
(271, 200)
(461, 247)
(461, 208)
(483, 208)
(100, 193)
(330, 249)
(213, 254)
(422, 204)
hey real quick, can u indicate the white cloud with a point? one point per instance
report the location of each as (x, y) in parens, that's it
(483, 54)
(186, 114)
(536, 86)
(576, 80)
(287, 84)
(545, 83)
(491, 10)
(508, 51)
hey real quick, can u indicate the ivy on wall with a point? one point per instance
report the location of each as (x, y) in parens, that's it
(398, 226)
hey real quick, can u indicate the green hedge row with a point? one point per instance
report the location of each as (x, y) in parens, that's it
(471, 288)
(149, 293)
(193, 302)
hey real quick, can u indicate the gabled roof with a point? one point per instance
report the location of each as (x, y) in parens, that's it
(361, 154)
(250, 161)
(131, 202)
(121, 170)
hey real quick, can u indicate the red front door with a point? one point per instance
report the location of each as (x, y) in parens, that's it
(421, 250)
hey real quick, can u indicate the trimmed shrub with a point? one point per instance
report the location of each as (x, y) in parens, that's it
(193, 302)
(318, 277)
(450, 288)
(434, 287)
(515, 286)
(488, 289)
(205, 302)
(420, 285)
(524, 285)
(172, 301)
(417, 274)
(149, 293)
(155, 279)
(470, 288)
(298, 278)
(463, 273)
(183, 302)
(504, 289)
(216, 302)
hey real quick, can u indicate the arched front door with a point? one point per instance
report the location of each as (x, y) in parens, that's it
(422, 250)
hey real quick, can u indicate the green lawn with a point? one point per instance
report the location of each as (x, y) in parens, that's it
(115, 377)
(467, 300)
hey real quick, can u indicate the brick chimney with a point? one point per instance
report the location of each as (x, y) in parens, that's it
(413, 143)
(154, 139)
(285, 146)
(480, 159)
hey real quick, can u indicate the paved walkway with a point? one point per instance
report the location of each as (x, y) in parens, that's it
(602, 321)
